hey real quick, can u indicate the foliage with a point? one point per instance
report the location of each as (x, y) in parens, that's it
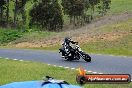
(51, 15)
(2, 9)
(17, 71)
(93, 3)
(104, 7)
(7, 36)
(73, 8)
(111, 41)
(19, 9)
(48, 14)
(77, 9)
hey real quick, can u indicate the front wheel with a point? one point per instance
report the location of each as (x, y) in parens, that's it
(68, 58)
(87, 58)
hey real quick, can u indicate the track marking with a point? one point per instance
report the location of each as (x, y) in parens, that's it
(15, 59)
(66, 67)
(20, 60)
(94, 72)
(76, 69)
(72, 68)
(60, 66)
(100, 73)
(63, 67)
(89, 71)
(54, 65)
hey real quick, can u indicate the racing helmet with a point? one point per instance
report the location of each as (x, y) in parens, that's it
(67, 39)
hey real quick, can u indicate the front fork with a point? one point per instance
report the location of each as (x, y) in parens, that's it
(82, 54)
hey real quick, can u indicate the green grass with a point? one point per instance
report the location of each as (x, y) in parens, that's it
(7, 36)
(15, 71)
(121, 46)
(119, 6)
(124, 26)
(12, 71)
(33, 36)
(38, 34)
(118, 47)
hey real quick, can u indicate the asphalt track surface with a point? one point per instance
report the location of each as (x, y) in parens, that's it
(100, 63)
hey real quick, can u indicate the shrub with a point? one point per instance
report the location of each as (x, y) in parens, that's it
(7, 36)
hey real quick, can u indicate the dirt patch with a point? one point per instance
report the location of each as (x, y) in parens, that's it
(81, 39)
(28, 44)
(108, 19)
(106, 37)
(85, 36)
(38, 44)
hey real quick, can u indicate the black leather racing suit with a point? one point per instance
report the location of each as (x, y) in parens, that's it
(66, 46)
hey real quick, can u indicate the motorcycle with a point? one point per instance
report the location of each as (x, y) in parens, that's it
(75, 53)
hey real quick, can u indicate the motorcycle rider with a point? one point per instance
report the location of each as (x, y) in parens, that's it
(66, 45)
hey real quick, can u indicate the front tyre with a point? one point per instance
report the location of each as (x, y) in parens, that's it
(87, 58)
(69, 58)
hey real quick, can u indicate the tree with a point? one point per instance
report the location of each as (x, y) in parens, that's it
(15, 12)
(73, 8)
(104, 7)
(48, 14)
(2, 8)
(23, 12)
(7, 12)
(93, 3)
(20, 9)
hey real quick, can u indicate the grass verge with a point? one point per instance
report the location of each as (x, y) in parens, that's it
(118, 6)
(118, 47)
(115, 39)
(7, 36)
(13, 71)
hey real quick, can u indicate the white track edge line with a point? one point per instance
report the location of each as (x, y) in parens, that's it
(20, 60)
(64, 67)
(60, 66)
(15, 59)
(6, 58)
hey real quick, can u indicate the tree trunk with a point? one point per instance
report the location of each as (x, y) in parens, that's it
(23, 17)
(74, 21)
(1, 15)
(7, 12)
(15, 12)
(70, 19)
